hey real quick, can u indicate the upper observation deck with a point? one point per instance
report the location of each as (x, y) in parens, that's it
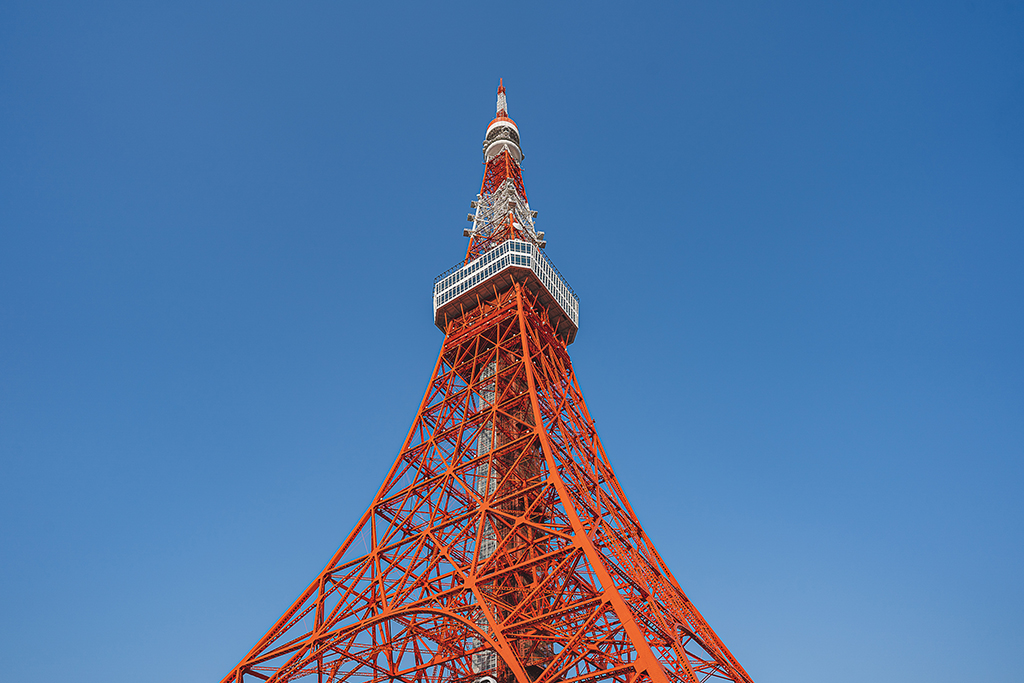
(461, 288)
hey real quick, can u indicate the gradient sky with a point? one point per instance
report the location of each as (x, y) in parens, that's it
(797, 234)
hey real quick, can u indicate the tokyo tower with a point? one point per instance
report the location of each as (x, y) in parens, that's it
(500, 547)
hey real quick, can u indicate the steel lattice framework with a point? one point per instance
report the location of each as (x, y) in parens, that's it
(500, 547)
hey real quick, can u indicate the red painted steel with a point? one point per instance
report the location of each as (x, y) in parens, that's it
(502, 529)
(496, 171)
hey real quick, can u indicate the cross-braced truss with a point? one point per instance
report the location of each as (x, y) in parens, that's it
(502, 211)
(499, 545)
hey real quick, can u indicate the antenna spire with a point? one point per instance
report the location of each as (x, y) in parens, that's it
(502, 106)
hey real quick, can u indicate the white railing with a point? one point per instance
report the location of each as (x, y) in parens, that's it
(508, 254)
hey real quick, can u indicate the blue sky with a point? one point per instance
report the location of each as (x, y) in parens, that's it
(796, 234)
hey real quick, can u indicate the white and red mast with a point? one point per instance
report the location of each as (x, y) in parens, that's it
(502, 209)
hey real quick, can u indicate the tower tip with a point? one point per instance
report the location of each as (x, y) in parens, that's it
(502, 105)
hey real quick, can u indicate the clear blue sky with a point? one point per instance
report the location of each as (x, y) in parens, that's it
(797, 234)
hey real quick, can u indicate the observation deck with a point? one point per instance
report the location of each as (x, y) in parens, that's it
(456, 290)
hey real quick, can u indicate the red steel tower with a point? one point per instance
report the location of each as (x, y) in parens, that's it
(500, 547)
